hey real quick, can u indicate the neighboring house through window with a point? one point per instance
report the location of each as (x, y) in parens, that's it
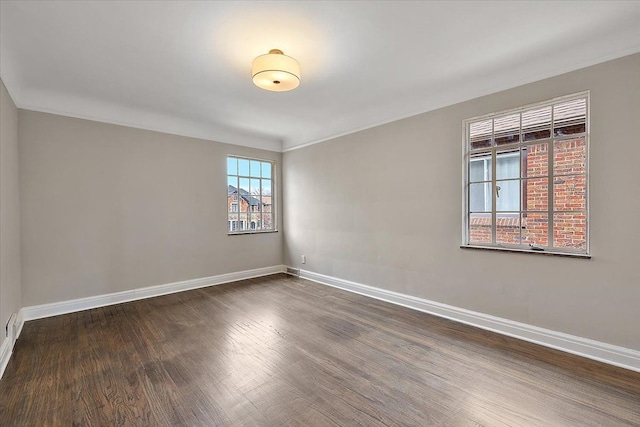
(512, 159)
(250, 185)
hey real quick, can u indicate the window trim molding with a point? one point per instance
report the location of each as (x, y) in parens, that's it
(548, 250)
(274, 198)
(527, 251)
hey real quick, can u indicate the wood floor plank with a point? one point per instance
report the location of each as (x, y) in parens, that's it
(282, 351)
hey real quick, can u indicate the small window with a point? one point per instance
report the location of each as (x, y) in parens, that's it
(526, 175)
(250, 185)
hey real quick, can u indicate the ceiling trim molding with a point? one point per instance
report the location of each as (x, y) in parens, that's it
(477, 94)
(266, 145)
(279, 145)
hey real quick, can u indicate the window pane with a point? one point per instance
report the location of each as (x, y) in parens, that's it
(535, 228)
(508, 195)
(253, 204)
(570, 193)
(480, 197)
(233, 222)
(254, 221)
(232, 166)
(536, 192)
(266, 170)
(254, 168)
(570, 230)
(570, 156)
(254, 186)
(233, 182)
(480, 228)
(477, 171)
(480, 134)
(244, 186)
(508, 229)
(536, 124)
(266, 187)
(508, 165)
(243, 222)
(267, 219)
(569, 117)
(480, 168)
(535, 160)
(266, 204)
(507, 129)
(243, 167)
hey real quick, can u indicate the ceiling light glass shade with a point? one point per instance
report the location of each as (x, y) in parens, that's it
(275, 71)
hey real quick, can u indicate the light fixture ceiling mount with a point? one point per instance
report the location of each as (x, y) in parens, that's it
(275, 71)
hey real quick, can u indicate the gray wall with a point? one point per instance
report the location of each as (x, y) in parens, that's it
(10, 289)
(108, 208)
(383, 207)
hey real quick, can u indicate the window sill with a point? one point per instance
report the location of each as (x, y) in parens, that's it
(242, 233)
(527, 251)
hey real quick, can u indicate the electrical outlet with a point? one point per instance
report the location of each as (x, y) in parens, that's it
(304, 259)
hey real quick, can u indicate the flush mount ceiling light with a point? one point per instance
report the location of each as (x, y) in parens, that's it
(275, 71)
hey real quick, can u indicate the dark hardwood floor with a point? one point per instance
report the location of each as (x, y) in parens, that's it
(282, 351)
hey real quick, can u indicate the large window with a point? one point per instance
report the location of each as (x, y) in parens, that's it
(249, 195)
(526, 174)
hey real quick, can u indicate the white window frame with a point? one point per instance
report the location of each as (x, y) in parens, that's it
(466, 161)
(487, 192)
(242, 225)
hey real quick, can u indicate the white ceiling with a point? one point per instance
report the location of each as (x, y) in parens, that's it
(184, 67)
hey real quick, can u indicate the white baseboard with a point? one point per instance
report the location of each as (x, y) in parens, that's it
(20, 323)
(602, 352)
(64, 307)
(6, 348)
